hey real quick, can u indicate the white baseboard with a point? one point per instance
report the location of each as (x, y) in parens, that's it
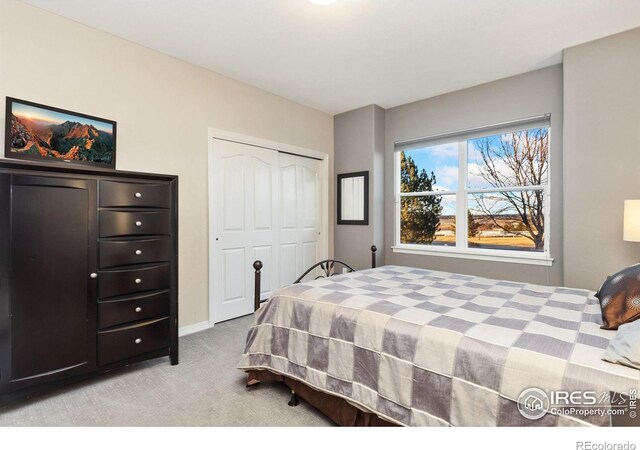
(190, 329)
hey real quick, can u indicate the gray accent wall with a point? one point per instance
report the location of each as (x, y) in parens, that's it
(601, 155)
(522, 96)
(359, 144)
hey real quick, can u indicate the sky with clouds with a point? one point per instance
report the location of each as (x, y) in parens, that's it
(442, 160)
(53, 117)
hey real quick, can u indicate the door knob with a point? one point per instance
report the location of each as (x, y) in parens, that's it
(138, 223)
(138, 309)
(138, 280)
(94, 275)
(138, 252)
(138, 195)
(138, 341)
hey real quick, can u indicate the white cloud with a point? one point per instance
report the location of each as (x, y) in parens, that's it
(473, 154)
(444, 150)
(492, 202)
(447, 176)
(507, 137)
(477, 182)
(448, 205)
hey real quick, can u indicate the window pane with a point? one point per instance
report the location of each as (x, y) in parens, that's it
(519, 158)
(506, 220)
(428, 220)
(429, 169)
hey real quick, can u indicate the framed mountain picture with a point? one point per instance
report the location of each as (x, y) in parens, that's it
(43, 133)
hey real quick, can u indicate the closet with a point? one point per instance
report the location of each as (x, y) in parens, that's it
(264, 204)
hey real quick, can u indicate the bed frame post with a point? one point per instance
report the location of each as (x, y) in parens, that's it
(257, 266)
(374, 249)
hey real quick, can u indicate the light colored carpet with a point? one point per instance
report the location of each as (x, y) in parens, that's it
(205, 389)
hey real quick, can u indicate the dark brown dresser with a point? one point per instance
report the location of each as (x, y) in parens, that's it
(88, 273)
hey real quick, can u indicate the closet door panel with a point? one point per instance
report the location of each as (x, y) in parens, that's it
(301, 216)
(245, 222)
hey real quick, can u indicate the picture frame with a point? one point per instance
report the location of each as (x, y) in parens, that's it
(52, 135)
(353, 198)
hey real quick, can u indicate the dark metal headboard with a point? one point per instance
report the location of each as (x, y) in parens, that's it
(327, 266)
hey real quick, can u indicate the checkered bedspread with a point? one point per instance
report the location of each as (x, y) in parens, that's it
(419, 347)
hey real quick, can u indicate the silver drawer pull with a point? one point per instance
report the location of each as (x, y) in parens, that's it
(138, 309)
(94, 275)
(138, 252)
(138, 195)
(138, 223)
(138, 280)
(138, 341)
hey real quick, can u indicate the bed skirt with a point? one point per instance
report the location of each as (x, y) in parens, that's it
(337, 409)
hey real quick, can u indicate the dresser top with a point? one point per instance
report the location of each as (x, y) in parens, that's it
(61, 167)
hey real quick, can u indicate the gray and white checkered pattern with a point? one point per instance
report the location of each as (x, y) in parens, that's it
(419, 347)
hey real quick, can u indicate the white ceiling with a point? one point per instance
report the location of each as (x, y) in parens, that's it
(358, 52)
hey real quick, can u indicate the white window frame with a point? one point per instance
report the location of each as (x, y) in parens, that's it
(462, 249)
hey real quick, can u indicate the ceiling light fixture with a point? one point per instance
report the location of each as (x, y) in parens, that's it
(322, 2)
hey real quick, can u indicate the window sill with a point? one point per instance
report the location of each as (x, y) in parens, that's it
(505, 256)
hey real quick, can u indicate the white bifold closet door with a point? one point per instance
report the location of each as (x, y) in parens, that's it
(299, 213)
(266, 205)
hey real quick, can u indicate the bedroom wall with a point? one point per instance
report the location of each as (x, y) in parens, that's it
(601, 155)
(359, 146)
(163, 107)
(527, 95)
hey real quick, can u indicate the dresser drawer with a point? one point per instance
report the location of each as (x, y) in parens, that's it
(127, 342)
(122, 253)
(135, 223)
(116, 194)
(121, 282)
(140, 307)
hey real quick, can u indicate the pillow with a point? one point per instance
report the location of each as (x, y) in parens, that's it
(624, 348)
(619, 298)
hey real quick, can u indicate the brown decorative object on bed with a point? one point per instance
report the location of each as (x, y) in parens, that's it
(619, 298)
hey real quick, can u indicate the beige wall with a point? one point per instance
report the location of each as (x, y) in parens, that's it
(522, 96)
(601, 155)
(163, 107)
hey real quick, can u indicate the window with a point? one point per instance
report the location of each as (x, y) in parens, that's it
(479, 194)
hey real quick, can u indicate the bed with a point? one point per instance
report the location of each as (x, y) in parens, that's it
(416, 347)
